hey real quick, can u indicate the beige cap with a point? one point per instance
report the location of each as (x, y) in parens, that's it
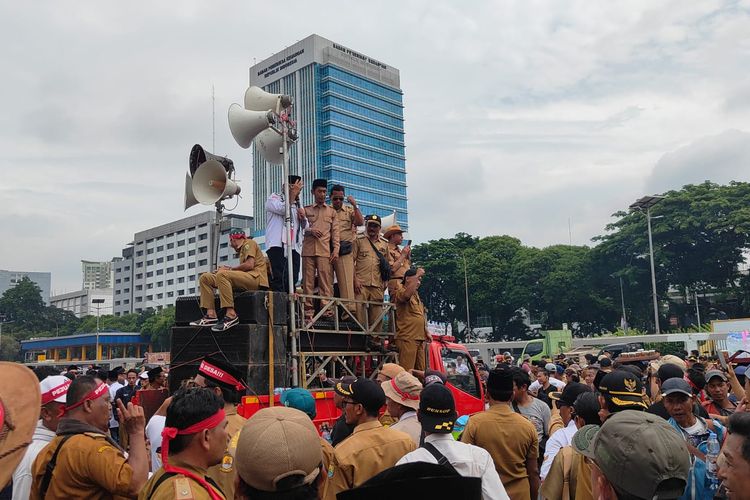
(671, 359)
(275, 443)
(404, 389)
(390, 370)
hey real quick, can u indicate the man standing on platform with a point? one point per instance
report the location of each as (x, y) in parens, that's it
(320, 248)
(398, 258)
(250, 274)
(349, 217)
(277, 246)
(411, 321)
(368, 283)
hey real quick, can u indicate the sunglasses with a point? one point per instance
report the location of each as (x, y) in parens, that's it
(338, 198)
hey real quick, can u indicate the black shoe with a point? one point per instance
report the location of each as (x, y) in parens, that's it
(204, 321)
(225, 324)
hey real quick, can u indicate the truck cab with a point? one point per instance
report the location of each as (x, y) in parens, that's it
(552, 342)
(443, 354)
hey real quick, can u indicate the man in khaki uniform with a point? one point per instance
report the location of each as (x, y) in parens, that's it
(87, 462)
(371, 448)
(349, 217)
(194, 439)
(320, 248)
(398, 258)
(250, 274)
(368, 284)
(225, 380)
(411, 321)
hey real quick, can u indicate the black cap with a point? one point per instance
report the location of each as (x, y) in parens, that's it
(668, 371)
(366, 392)
(154, 372)
(605, 362)
(437, 409)
(320, 183)
(569, 394)
(501, 379)
(676, 385)
(623, 389)
(374, 219)
(433, 377)
(341, 386)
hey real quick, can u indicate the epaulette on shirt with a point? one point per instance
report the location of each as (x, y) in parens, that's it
(182, 489)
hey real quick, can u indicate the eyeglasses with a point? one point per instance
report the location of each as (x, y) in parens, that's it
(338, 198)
(345, 402)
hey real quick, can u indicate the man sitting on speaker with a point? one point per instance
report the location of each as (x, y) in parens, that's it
(250, 274)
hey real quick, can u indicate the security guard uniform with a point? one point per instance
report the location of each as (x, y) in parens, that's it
(228, 281)
(177, 486)
(411, 328)
(224, 473)
(367, 272)
(89, 465)
(344, 265)
(316, 252)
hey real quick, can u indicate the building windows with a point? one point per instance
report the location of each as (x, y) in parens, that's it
(181, 293)
(117, 292)
(191, 291)
(224, 245)
(126, 301)
(127, 279)
(149, 251)
(223, 258)
(203, 250)
(159, 284)
(127, 268)
(181, 243)
(139, 253)
(191, 265)
(127, 290)
(160, 248)
(170, 269)
(181, 267)
(191, 253)
(170, 282)
(149, 262)
(140, 264)
(139, 299)
(118, 281)
(170, 246)
(192, 278)
(139, 276)
(180, 255)
(117, 302)
(202, 236)
(150, 286)
(180, 280)
(159, 296)
(191, 239)
(170, 257)
(170, 294)
(150, 274)
(159, 272)
(149, 297)
(138, 288)
(160, 260)
(203, 262)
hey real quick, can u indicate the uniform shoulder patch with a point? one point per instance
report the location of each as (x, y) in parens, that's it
(182, 489)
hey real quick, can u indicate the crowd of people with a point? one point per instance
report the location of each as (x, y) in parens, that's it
(672, 427)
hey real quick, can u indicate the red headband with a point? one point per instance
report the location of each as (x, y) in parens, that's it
(170, 433)
(56, 392)
(217, 373)
(99, 391)
(404, 395)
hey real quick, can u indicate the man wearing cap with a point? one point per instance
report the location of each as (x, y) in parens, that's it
(636, 455)
(721, 404)
(371, 448)
(348, 217)
(194, 438)
(618, 391)
(411, 320)
(402, 400)
(678, 400)
(510, 439)
(249, 274)
(54, 389)
(320, 248)
(436, 415)
(665, 372)
(225, 381)
(368, 282)
(398, 258)
(562, 437)
(277, 246)
(341, 429)
(278, 455)
(87, 462)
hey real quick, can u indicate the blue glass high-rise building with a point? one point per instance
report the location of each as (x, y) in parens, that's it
(349, 112)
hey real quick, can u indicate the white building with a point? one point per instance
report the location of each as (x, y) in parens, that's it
(81, 302)
(96, 275)
(9, 279)
(164, 262)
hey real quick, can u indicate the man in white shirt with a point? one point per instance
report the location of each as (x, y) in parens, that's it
(115, 379)
(437, 413)
(461, 368)
(277, 246)
(563, 437)
(549, 369)
(54, 390)
(402, 400)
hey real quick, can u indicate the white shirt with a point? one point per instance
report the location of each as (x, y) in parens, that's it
(22, 476)
(561, 437)
(462, 369)
(275, 229)
(153, 433)
(467, 459)
(112, 415)
(535, 385)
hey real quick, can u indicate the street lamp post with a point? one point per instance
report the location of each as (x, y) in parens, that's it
(98, 303)
(642, 204)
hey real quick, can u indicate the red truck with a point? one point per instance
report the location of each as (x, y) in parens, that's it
(442, 354)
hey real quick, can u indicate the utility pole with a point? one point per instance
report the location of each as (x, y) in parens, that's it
(697, 309)
(466, 290)
(98, 303)
(642, 204)
(624, 317)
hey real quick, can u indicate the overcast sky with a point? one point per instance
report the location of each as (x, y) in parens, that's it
(520, 116)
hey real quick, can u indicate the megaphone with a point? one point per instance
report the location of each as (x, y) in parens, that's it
(189, 197)
(245, 125)
(269, 144)
(211, 183)
(198, 156)
(257, 99)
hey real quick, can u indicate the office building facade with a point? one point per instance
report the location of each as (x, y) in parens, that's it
(9, 279)
(96, 275)
(349, 113)
(81, 302)
(164, 262)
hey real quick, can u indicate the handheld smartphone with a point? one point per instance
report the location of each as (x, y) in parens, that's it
(407, 243)
(723, 360)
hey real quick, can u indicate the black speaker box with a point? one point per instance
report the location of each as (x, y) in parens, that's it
(250, 306)
(327, 342)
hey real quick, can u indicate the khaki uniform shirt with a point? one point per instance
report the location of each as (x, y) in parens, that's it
(394, 252)
(366, 261)
(178, 487)
(88, 466)
(368, 451)
(224, 473)
(251, 249)
(579, 479)
(328, 454)
(323, 218)
(511, 440)
(411, 320)
(345, 216)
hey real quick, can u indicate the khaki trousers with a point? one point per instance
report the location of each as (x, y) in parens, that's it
(226, 282)
(344, 269)
(325, 280)
(411, 354)
(374, 294)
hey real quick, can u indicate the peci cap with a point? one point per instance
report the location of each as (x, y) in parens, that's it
(658, 462)
(715, 373)
(676, 386)
(276, 443)
(365, 392)
(300, 399)
(404, 389)
(394, 229)
(437, 409)
(390, 370)
(623, 389)
(373, 219)
(569, 394)
(54, 388)
(318, 183)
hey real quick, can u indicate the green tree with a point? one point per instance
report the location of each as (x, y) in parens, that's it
(23, 304)
(158, 328)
